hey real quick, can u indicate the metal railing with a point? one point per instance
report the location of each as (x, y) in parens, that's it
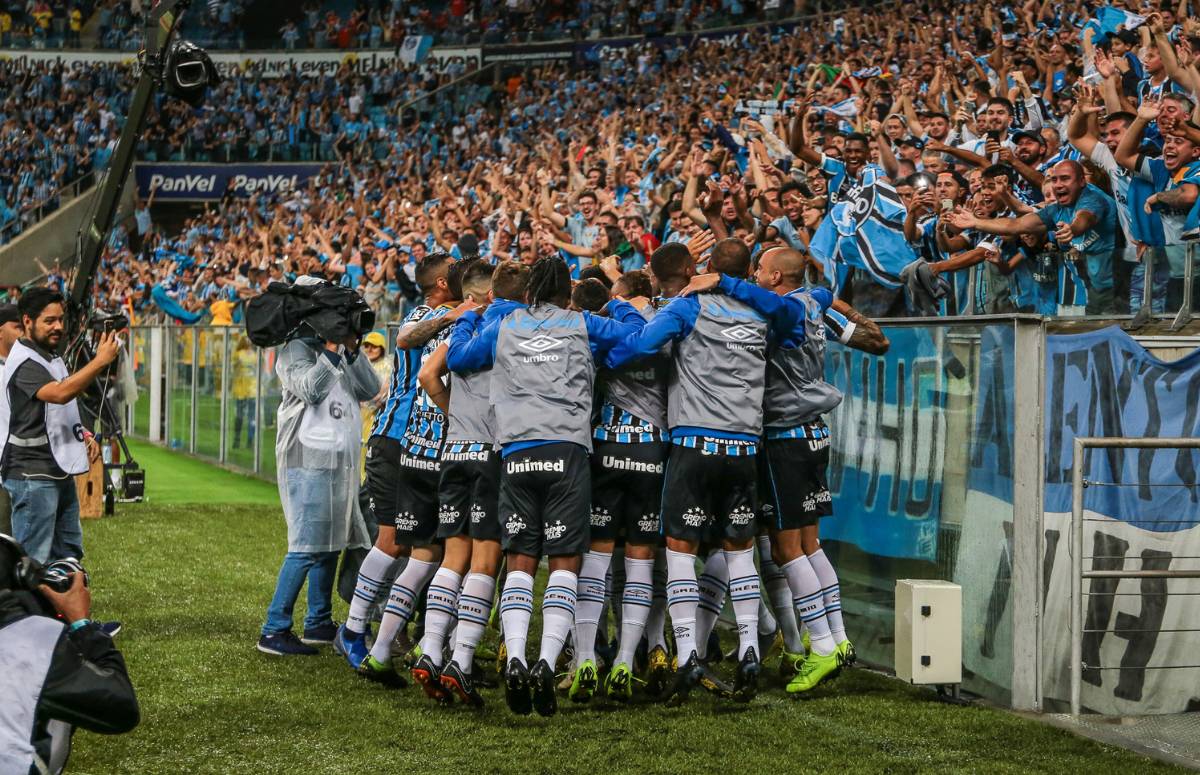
(1078, 574)
(29, 218)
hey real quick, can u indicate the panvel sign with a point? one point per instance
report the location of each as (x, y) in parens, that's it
(203, 182)
(887, 446)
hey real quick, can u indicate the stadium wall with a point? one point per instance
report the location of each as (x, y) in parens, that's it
(947, 461)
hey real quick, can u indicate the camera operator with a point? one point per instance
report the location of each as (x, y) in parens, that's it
(317, 457)
(41, 434)
(55, 673)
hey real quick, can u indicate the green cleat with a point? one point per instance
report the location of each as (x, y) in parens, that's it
(381, 673)
(789, 664)
(501, 658)
(584, 683)
(845, 650)
(620, 683)
(806, 641)
(413, 656)
(814, 670)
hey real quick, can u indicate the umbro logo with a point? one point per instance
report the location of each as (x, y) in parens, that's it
(741, 333)
(540, 343)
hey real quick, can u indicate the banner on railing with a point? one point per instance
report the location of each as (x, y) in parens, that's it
(205, 182)
(1142, 512)
(887, 446)
(273, 64)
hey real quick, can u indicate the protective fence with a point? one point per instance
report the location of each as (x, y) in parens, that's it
(950, 459)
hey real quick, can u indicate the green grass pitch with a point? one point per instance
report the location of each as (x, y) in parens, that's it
(190, 571)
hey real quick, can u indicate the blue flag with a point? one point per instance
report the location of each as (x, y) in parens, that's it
(1108, 20)
(866, 230)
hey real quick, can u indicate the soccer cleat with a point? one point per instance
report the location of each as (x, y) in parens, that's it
(687, 676)
(516, 688)
(845, 649)
(284, 644)
(111, 629)
(412, 656)
(806, 641)
(619, 685)
(745, 683)
(381, 673)
(541, 680)
(454, 680)
(815, 670)
(584, 684)
(770, 646)
(789, 664)
(501, 657)
(658, 671)
(712, 683)
(321, 635)
(427, 674)
(351, 645)
(712, 652)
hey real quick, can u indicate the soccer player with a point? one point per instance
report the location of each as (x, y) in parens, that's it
(401, 481)
(795, 453)
(714, 412)
(468, 492)
(627, 468)
(542, 377)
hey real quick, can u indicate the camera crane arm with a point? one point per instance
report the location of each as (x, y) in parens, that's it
(93, 232)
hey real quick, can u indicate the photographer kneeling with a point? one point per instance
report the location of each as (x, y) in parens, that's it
(317, 459)
(55, 673)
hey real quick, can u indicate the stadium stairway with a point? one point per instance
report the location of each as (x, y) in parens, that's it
(52, 238)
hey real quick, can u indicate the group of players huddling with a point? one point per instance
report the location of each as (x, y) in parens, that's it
(681, 418)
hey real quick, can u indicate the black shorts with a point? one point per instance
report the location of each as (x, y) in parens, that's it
(468, 491)
(545, 500)
(383, 482)
(417, 514)
(627, 491)
(791, 481)
(702, 490)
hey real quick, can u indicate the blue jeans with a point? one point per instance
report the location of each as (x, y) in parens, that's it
(319, 568)
(45, 517)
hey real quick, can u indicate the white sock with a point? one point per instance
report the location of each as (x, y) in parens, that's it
(780, 594)
(558, 613)
(441, 606)
(401, 601)
(657, 620)
(591, 595)
(810, 604)
(372, 575)
(516, 606)
(713, 582)
(635, 607)
(766, 619)
(474, 607)
(746, 593)
(683, 597)
(831, 592)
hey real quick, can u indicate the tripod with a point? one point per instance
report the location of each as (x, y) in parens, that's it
(96, 405)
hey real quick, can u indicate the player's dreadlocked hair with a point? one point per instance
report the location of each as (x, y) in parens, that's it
(549, 282)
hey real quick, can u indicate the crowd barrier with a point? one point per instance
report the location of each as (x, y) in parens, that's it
(951, 458)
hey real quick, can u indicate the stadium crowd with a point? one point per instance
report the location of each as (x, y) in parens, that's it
(967, 111)
(221, 24)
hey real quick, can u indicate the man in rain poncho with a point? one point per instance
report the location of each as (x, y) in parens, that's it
(317, 458)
